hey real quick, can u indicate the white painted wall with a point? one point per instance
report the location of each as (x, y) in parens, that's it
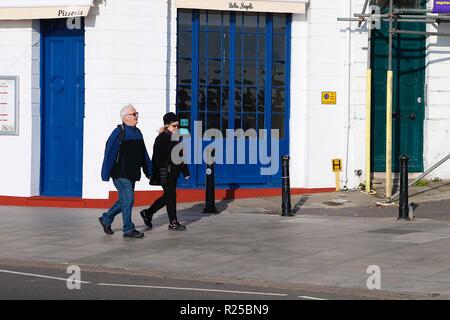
(437, 112)
(322, 61)
(19, 49)
(126, 62)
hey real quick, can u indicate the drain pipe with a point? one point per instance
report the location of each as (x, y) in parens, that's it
(349, 92)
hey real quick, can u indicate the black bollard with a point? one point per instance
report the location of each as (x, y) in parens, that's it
(403, 209)
(286, 209)
(210, 200)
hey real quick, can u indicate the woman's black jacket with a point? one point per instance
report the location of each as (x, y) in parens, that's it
(162, 160)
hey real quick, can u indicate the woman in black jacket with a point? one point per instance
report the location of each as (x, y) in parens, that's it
(166, 173)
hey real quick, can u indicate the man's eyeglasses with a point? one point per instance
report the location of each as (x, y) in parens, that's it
(136, 114)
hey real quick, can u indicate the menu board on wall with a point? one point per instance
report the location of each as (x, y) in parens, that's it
(9, 105)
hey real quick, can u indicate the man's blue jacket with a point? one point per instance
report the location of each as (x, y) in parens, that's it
(113, 146)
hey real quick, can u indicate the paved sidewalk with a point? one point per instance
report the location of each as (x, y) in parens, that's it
(324, 245)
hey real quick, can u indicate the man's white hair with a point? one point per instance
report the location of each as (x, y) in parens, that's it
(123, 111)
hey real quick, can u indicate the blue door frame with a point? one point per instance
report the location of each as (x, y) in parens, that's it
(62, 108)
(190, 83)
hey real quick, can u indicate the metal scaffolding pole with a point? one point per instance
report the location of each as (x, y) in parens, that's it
(363, 10)
(389, 106)
(369, 110)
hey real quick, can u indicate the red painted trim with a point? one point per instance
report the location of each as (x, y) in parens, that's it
(144, 198)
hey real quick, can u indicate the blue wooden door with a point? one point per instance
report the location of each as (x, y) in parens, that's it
(233, 73)
(62, 72)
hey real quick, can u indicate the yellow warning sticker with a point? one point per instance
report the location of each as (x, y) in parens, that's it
(329, 97)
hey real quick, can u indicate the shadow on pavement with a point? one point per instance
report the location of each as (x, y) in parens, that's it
(186, 216)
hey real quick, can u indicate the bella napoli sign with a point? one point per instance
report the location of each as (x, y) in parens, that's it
(241, 6)
(287, 6)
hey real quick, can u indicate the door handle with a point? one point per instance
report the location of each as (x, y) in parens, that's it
(412, 116)
(419, 100)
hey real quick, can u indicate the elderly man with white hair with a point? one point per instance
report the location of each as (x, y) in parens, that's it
(125, 155)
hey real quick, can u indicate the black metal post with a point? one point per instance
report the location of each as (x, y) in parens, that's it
(403, 209)
(210, 199)
(286, 209)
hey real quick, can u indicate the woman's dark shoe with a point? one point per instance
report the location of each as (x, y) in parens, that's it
(147, 216)
(175, 225)
(106, 228)
(133, 234)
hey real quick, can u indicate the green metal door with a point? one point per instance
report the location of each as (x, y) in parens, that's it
(408, 96)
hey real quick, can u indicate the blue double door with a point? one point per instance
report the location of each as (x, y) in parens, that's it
(62, 108)
(233, 73)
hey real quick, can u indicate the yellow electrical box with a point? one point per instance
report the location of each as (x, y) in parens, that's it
(329, 97)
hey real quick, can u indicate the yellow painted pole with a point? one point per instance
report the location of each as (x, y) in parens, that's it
(368, 126)
(389, 135)
(338, 181)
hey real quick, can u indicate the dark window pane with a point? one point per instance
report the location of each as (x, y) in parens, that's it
(202, 18)
(214, 72)
(184, 19)
(278, 123)
(214, 20)
(237, 100)
(201, 117)
(249, 122)
(184, 71)
(261, 122)
(201, 98)
(249, 73)
(238, 72)
(237, 121)
(225, 124)
(226, 46)
(250, 45)
(226, 21)
(225, 99)
(213, 99)
(184, 99)
(262, 22)
(279, 48)
(249, 99)
(202, 52)
(250, 22)
(261, 100)
(213, 120)
(262, 73)
(278, 100)
(239, 22)
(278, 75)
(185, 44)
(279, 23)
(202, 76)
(239, 46)
(226, 72)
(262, 46)
(214, 45)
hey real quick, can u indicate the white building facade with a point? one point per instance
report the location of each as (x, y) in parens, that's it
(72, 85)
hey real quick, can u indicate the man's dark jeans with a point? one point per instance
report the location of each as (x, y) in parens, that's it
(124, 204)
